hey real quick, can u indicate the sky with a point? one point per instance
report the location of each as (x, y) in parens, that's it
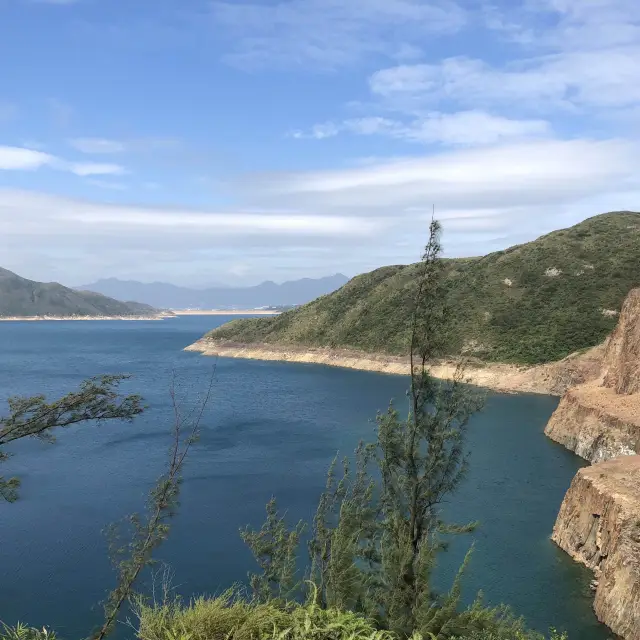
(206, 141)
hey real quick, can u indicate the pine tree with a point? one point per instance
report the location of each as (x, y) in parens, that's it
(97, 400)
(378, 531)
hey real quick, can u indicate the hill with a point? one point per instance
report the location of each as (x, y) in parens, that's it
(169, 296)
(529, 304)
(20, 297)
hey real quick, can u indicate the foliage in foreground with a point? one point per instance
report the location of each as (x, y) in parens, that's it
(232, 617)
(379, 528)
(532, 303)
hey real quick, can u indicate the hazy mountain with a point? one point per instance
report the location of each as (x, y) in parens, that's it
(169, 296)
(22, 297)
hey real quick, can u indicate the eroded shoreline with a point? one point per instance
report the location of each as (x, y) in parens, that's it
(548, 379)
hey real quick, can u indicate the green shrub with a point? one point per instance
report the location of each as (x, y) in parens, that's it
(230, 617)
(23, 632)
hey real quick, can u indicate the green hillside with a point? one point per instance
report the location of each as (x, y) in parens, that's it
(22, 297)
(531, 303)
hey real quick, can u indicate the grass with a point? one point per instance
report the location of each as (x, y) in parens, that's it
(532, 303)
(230, 617)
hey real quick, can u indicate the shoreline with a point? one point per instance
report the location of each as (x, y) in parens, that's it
(546, 379)
(222, 312)
(78, 318)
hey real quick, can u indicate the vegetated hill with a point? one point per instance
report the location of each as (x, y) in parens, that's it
(169, 296)
(531, 303)
(22, 297)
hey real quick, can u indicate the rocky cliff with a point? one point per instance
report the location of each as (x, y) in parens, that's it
(601, 419)
(599, 525)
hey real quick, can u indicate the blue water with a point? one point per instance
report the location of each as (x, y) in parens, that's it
(272, 429)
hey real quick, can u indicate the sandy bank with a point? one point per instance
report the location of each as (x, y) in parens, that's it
(548, 379)
(222, 312)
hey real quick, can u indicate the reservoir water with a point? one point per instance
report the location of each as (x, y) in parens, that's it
(271, 429)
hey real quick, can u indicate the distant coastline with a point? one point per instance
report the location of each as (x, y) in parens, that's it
(225, 312)
(65, 318)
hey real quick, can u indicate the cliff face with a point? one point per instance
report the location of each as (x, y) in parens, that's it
(601, 419)
(596, 423)
(599, 525)
(621, 362)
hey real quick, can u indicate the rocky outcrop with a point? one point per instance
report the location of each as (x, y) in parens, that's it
(596, 423)
(599, 526)
(621, 362)
(599, 521)
(601, 419)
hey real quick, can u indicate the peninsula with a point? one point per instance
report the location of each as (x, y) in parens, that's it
(530, 318)
(23, 299)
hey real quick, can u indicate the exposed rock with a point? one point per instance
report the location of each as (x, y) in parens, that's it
(549, 379)
(601, 420)
(596, 423)
(621, 364)
(599, 526)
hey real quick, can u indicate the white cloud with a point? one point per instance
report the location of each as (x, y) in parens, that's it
(578, 59)
(94, 169)
(18, 158)
(65, 215)
(466, 128)
(353, 219)
(104, 184)
(318, 131)
(500, 177)
(24, 159)
(577, 79)
(97, 145)
(330, 33)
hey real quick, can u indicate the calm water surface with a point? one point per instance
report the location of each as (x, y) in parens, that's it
(272, 430)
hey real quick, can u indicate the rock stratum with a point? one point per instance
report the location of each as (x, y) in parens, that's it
(599, 526)
(599, 521)
(600, 420)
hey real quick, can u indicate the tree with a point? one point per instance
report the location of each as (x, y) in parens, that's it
(379, 528)
(149, 531)
(97, 400)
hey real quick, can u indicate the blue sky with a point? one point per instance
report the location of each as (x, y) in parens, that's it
(197, 141)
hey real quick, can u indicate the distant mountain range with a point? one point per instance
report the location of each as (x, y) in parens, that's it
(169, 296)
(20, 297)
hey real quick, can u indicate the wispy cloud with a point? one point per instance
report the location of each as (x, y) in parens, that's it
(92, 168)
(577, 59)
(543, 173)
(585, 79)
(105, 184)
(97, 145)
(24, 159)
(466, 128)
(330, 33)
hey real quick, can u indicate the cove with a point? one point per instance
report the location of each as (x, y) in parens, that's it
(272, 429)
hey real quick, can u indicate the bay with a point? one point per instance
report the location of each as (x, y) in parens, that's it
(271, 429)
